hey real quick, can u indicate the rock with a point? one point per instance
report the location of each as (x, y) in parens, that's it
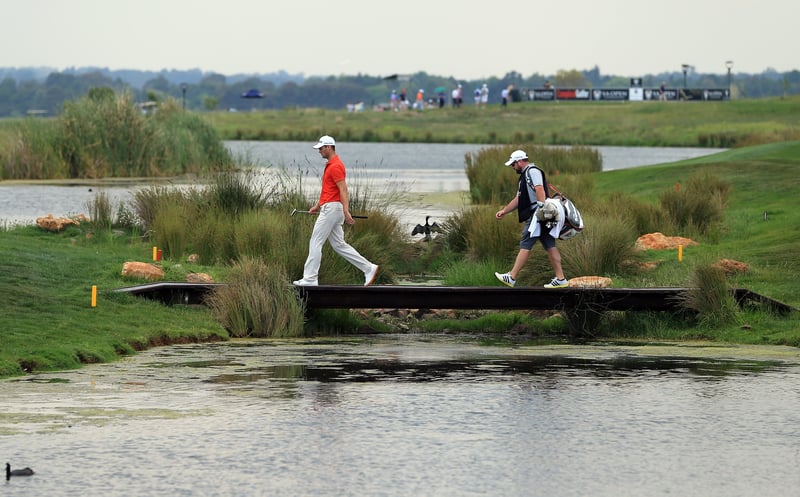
(590, 282)
(199, 278)
(142, 270)
(657, 241)
(51, 223)
(731, 267)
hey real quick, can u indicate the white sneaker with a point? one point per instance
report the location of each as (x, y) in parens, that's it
(557, 283)
(305, 282)
(369, 277)
(506, 279)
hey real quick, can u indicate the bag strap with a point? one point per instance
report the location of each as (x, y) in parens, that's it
(558, 192)
(545, 184)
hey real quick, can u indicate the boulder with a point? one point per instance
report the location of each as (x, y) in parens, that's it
(658, 241)
(142, 270)
(51, 223)
(199, 278)
(731, 267)
(590, 282)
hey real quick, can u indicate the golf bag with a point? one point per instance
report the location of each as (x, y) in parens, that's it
(554, 208)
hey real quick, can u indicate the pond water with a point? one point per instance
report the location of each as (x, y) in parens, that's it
(406, 167)
(411, 415)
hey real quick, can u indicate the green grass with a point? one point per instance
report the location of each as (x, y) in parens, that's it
(763, 179)
(689, 124)
(47, 320)
(45, 279)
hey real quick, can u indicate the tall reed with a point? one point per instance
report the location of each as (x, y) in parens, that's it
(106, 135)
(100, 211)
(257, 302)
(698, 206)
(604, 248)
(491, 182)
(709, 296)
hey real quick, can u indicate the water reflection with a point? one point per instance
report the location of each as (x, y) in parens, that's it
(404, 415)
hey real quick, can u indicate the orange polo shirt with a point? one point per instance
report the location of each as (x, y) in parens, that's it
(334, 172)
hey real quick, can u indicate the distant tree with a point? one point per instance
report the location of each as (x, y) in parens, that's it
(210, 103)
(101, 93)
(571, 79)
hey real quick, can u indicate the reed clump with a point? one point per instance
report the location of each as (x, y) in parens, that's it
(710, 298)
(106, 135)
(698, 206)
(491, 182)
(257, 301)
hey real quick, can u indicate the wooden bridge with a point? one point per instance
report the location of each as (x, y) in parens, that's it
(449, 297)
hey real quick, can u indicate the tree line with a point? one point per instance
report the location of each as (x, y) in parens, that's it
(20, 96)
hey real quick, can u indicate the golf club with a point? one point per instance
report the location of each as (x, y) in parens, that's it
(295, 211)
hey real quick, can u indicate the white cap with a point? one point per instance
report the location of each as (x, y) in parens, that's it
(325, 140)
(515, 156)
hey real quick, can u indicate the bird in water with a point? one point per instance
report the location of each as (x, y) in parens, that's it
(17, 472)
(426, 229)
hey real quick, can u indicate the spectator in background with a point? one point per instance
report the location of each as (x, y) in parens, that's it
(504, 96)
(393, 100)
(420, 104)
(441, 96)
(662, 91)
(484, 95)
(476, 95)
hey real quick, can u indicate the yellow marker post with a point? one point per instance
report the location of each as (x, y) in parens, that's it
(680, 253)
(155, 252)
(94, 295)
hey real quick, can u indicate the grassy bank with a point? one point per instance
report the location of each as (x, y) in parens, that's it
(684, 124)
(46, 279)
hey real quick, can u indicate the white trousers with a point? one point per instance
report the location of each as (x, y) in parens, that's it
(329, 227)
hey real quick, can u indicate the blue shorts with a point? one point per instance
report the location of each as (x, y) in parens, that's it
(529, 241)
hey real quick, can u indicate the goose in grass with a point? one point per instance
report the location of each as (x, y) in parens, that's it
(425, 229)
(17, 472)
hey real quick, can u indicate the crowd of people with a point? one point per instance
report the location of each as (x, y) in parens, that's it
(399, 100)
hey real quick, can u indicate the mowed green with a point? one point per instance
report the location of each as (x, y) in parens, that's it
(660, 124)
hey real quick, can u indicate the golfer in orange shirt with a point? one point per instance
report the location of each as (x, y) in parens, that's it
(334, 210)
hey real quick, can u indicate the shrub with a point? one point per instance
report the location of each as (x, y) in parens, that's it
(641, 216)
(105, 135)
(699, 206)
(491, 182)
(479, 236)
(710, 297)
(100, 211)
(236, 192)
(257, 302)
(604, 248)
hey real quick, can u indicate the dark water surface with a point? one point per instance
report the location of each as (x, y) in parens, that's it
(411, 415)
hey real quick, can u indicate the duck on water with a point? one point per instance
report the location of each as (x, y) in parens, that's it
(17, 472)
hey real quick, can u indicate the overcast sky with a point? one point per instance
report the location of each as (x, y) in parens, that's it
(466, 39)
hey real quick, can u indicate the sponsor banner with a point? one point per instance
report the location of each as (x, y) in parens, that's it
(610, 94)
(632, 94)
(709, 94)
(546, 94)
(655, 94)
(573, 94)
